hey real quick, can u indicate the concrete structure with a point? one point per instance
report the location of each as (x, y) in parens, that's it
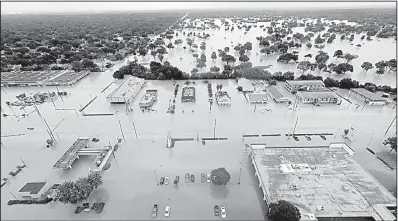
(33, 190)
(317, 97)
(149, 98)
(323, 181)
(256, 98)
(223, 98)
(366, 96)
(188, 94)
(71, 154)
(306, 85)
(246, 85)
(276, 95)
(127, 90)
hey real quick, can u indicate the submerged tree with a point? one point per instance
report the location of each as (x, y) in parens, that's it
(220, 176)
(284, 211)
(392, 142)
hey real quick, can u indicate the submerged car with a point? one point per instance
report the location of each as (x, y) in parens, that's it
(295, 138)
(216, 210)
(166, 180)
(155, 210)
(323, 137)
(208, 178)
(203, 178)
(187, 177)
(167, 211)
(161, 180)
(192, 178)
(223, 212)
(308, 138)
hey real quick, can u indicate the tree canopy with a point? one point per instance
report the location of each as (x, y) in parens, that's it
(284, 211)
(220, 176)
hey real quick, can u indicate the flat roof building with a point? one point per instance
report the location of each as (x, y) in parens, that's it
(223, 98)
(188, 94)
(32, 190)
(317, 97)
(276, 95)
(323, 181)
(126, 91)
(257, 98)
(306, 85)
(367, 96)
(246, 85)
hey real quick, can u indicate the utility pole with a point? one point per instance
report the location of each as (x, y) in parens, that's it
(49, 94)
(121, 129)
(295, 126)
(214, 131)
(390, 125)
(135, 131)
(240, 173)
(49, 130)
(13, 195)
(156, 177)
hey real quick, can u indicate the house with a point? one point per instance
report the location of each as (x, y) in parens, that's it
(246, 85)
(306, 85)
(257, 98)
(188, 94)
(276, 95)
(307, 97)
(33, 190)
(223, 98)
(367, 96)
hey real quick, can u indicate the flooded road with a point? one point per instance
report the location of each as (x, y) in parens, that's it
(130, 185)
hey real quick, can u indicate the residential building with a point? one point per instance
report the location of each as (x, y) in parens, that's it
(366, 96)
(188, 94)
(33, 190)
(276, 95)
(257, 98)
(246, 85)
(317, 97)
(305, 85)
(223, 98)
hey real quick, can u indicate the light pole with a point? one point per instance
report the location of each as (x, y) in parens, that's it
(156, 177)
(240, 172)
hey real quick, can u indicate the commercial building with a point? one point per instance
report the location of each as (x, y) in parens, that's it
(149, 98)
(323, 181)
(257, 98)
(317, 97)
(223, 98)
(276, 95)
(188, 94)
(366, 96)
(127, 90)
(305, 85)
(246, 85)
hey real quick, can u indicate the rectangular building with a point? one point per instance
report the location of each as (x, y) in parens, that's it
(188, 94)
(276, 95)
(32, 190)
(323, 182)
(257, 98)
(246, 85)
(305, 85)
(367, 96)
(149, 98)
(317, 97)
(223, 98)
(126, 91)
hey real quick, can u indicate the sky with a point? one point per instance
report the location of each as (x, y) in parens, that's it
(50, 7)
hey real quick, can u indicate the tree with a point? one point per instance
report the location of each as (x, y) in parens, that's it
(118, 75)
(308, 56)
(203, 46)
(228, 59)
(244, 58)
(392, 141)
(287, 57)
(169, 37)
(213, 55)
(194, 71)
(195, 55)
(289, 75)
(348, 83)
(201, 64)
(303, 66)
(381, 66)
(77, 66)
(284, 211)
(321, 57)
(242, 51)
(309, 45)
(392, 65)
(189, 42)
(226, 49)
(214, 69)
(160, 56)
(367, 66)
(203, 58)
(330, 82)
(338, 54)
(349, 57)
(154, 66)
(220, 176)
(153, 53)
(142, 51)
(343, 67)
(272, 82)
(170, 45)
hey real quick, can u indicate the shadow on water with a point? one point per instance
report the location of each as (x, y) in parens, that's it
(219, 192)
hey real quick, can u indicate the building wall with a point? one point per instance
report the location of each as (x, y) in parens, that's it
(365, 99)
(294, 88)
(318, 100)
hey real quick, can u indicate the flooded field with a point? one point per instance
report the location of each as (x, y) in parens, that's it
(130, 185)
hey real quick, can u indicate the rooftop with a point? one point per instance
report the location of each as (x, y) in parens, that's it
(188, 91)
(306, 82)
(371, 96)
(317, 94)
(128, 88)
(33, 188)
(275, 92)
(245, 84)
(324, 181)
(257, 97)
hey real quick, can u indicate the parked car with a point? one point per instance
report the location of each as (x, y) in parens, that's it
(203, 178)
(187, 177)
(161, 180)
(177, 179)
(295, 138)
(208, 178)
(86, 207)
(155, 210)
(223, 212)
(323, 137)
(192, 178)
(308, 138)
(166, 180)
(167, 211)
(216, 210)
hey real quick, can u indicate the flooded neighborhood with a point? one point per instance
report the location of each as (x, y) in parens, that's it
(205, 116)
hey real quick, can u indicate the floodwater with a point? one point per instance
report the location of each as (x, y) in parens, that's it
(129, 187)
